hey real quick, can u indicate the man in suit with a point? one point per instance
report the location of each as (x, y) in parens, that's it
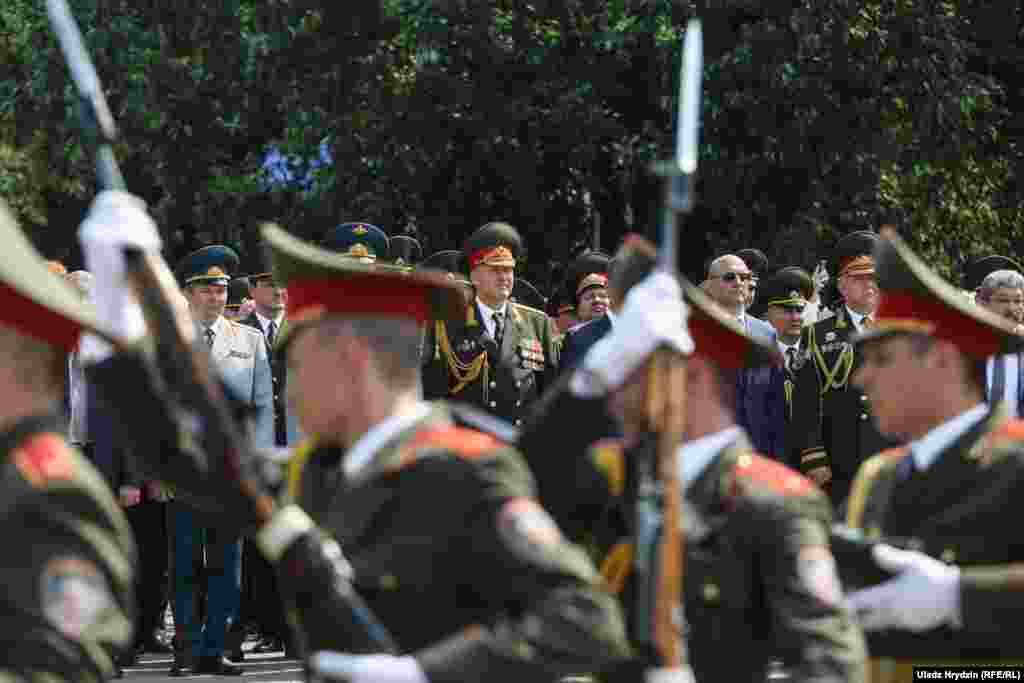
(240, 355)
(588, 281)
(950, 491)
(261, 601)
(729, 283)
(501, 354)
(833, 428)
(1002, 292)
(759, 570)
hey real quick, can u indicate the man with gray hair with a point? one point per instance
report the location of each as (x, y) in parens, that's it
(1002, 292)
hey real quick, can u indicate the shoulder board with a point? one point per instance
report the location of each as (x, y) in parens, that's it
(529, 309)
(469, 444)
(474, 418)
(247, 329)
(778, 477)
(44, 458)
(863, 481)
(608, 455)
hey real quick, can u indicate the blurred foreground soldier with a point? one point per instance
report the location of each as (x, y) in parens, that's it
(950, 492)
(361, 241)
(501, 354)
(68, 586)
(758, 569)
(588, 281)
(1002, 293)
(436, 520)
(833, 429)
(405, 251)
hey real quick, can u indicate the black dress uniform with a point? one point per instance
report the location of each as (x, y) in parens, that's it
(760, 582)
(832, 422)
(464, 363)
(70, 562)
(959, 509)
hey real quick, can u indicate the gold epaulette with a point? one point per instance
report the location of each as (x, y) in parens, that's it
(464, 373)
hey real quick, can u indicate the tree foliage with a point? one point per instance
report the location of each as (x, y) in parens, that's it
(819, 117)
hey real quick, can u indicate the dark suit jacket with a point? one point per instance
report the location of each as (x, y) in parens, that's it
(579, 340)
(277, 374)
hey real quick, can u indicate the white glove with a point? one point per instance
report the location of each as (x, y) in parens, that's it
(116, 220)
(366, 668)
(653, 313)
(924, 595)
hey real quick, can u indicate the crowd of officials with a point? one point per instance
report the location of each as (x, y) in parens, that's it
(789, 406)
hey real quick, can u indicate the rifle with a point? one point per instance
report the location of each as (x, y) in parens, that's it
(189, 369)
(658, 564)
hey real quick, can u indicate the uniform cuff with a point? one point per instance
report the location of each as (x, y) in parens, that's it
(813, 458)
(287, 525)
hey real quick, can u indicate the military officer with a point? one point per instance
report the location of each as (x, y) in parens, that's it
(951, 489)
(501, 354)
(437, 520)
(239, 354)
(758, 568)
(405, 251)
(833, 427)
(362, 241)
(68, 586)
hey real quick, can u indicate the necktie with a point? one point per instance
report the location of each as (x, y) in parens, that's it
(998, 388)
(271, 333)
(499, 330)
(209, 337)
(790, 357)
(905, 468)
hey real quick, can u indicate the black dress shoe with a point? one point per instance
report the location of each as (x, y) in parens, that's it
(269, 644)
(153, 645)
(212, 664)
(236, 655)
(181, 665)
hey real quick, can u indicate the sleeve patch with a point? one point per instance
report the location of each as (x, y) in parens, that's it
(43, 458)
(73, 595)
(817, 571)
(528, 530)
(772, 474)
(467, 443)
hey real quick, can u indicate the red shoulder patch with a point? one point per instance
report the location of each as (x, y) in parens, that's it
(42, 458)
(772, 474)
(1011, 428)
(467, 443)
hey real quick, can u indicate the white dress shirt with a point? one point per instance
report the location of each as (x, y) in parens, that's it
(856, 318)
(1011, 386)
(927, 449)
(488, 315)
(360, 455)
(265, 322)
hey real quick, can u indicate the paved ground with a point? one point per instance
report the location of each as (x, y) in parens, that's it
(269, 667)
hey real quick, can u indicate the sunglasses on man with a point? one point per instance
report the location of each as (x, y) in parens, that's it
(733, 276)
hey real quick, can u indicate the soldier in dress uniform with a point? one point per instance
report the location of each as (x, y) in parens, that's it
(501, 354)
(758, 567)
(948, 493)
(405, 251)
(68, 587)
(833, 429)
(781, 300)
(442, 536)
(362, 241)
